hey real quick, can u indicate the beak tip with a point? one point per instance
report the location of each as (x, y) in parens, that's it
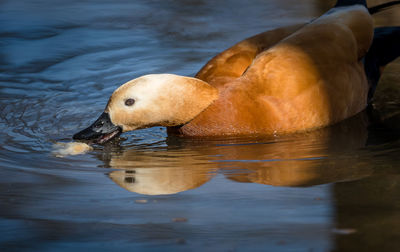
(83, 134)
(77, 136)
(100, 131)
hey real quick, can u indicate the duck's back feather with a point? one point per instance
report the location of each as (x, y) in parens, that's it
(233, 62)
(296, 79)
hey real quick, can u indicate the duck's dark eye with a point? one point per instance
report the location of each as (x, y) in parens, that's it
(129, 102)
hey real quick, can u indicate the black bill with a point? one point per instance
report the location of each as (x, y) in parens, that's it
(101, 131)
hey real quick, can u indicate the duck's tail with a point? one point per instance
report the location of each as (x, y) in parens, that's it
(385, 46)
(372, 10)
(381, 7)
(341, 3)
(384, 49)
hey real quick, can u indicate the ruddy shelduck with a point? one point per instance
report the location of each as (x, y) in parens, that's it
(282, 81)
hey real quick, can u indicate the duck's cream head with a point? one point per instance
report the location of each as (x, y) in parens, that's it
(150, 100)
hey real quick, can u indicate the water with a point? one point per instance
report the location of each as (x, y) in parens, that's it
(335, 189)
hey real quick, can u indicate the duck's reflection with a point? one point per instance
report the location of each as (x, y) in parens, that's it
(303, 159)
(318, 157)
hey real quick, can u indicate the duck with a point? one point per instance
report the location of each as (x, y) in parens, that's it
(291, 79)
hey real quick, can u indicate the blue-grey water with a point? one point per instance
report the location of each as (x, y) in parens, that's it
(334, 189)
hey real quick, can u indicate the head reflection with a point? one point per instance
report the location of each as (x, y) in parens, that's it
(159, 173)
(159, 181)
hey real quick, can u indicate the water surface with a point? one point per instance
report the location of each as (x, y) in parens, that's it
(334, 189)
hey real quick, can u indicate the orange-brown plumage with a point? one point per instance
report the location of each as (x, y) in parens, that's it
(297, 78)
(282, 81)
